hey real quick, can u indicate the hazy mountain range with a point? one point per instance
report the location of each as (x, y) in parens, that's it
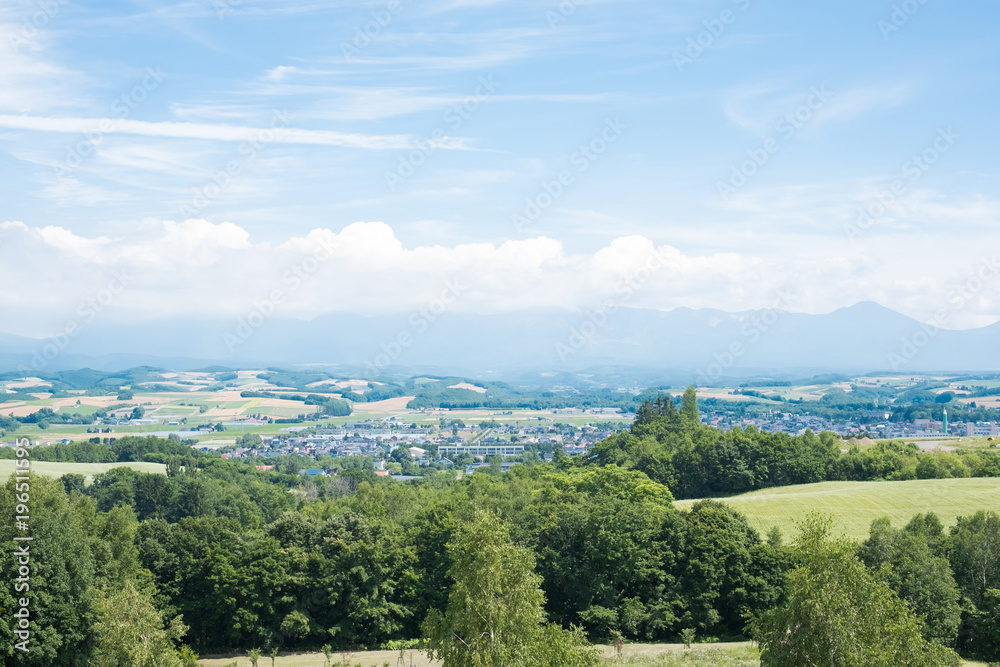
(699, 345)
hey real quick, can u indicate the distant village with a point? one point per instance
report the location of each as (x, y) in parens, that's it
(472, 445)
(797, 425)
(437, 446)
(451, 442)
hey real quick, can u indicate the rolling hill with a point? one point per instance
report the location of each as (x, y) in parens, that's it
(854, 505)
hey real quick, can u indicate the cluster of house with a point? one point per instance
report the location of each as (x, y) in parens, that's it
(378, 439)
(777, 423)
(798, 424)
(926, 428)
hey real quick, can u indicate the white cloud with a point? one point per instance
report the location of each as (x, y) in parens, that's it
(191, 267)
(200, 268)
(69, 191)
(851, 103)
(219, 132)
(759, 106)
(29, 81)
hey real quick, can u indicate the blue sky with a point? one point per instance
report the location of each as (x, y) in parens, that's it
(206, 146)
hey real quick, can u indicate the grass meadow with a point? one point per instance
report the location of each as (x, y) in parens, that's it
(88, 470)
(633, 655)
(651, 655)
(854, 505)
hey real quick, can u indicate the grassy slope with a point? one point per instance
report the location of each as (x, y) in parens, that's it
(50, 469)
(854, 505)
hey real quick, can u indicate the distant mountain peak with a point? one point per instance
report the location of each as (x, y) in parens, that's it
(864, 337)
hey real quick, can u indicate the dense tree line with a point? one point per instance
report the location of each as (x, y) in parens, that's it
(329, 406)
(91, 602)
(262, 559)
(697, 461)
(862, 404)
(45, 417)
(546, 400)
(118, 450)
(613, 552)
(374, 393)
(103, 382)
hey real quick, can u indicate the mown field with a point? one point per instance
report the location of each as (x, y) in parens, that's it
(633, 655)
(854, 505)
(732, 655)
(88, 470)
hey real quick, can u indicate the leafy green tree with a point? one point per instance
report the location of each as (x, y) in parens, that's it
(924, 581)
(400, 455)
(8, 425)
(611, 563)
(62, 574)
(250, 440)
(364, 574)
(188, 657)
(229, 580)
(609, 547)
(974, 552)
(295, 625)
(727, 571)
(432, 529)
(689, 405)
(494, 615)
(660, 411)
(838, 613)
(154, 496)
(115, 553)
(73, 482)
(130, 631)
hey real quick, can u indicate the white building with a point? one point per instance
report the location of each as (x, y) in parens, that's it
(482, 450)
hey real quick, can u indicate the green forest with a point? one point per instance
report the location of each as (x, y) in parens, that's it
(218, 556)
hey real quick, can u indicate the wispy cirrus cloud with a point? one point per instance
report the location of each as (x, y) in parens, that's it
(756, 107)
(219, 132)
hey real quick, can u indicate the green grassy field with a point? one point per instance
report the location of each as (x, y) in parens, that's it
(720, 655)
(88, 470)
(635, 655)
(651, 655)
(854, 505)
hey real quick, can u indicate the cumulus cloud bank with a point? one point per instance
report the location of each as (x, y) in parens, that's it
(202, 269)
